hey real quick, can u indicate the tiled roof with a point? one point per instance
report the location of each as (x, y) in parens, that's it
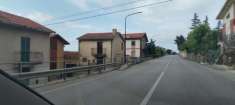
(60, 38)
(135, 36)
(14, 20)
(97, 36)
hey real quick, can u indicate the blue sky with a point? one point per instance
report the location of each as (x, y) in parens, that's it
(161, 22)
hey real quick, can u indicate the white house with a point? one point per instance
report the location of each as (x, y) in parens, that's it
(227, 38)
(135, 44)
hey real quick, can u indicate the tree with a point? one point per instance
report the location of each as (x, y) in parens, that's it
(180, 42)
(154, 51)
(169, 51)
(160, 51)
(206, 21)
(195, 21)
(202, 40)
(150, 48)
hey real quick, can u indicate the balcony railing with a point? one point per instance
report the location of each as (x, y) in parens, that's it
(229, 40)
(95, 54)
(34, 57)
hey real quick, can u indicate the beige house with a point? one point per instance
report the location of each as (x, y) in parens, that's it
(24, 44)
(99, 48)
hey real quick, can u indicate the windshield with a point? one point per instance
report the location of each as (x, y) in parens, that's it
(117, 52)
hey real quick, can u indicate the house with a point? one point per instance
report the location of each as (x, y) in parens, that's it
(24, 44)
(57, 44)
(71, 59)
(227, 38)
(99, 48)
(135, 44)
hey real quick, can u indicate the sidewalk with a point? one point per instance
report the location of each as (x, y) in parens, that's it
(227, 71)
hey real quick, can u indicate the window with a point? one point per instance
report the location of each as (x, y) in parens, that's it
(84, 59)
(25, 49)
(133, 43)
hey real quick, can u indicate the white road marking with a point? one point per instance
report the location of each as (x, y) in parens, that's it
(151, 91)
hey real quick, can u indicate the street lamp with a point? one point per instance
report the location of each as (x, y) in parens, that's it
(125, 59)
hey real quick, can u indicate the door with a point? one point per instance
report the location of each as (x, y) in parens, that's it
(25, 49)
(99, 52)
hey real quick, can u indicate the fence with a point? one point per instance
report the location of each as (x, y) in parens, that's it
(42, 77)
(136, 60)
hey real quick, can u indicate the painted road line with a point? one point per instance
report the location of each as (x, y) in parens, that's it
(151, 91)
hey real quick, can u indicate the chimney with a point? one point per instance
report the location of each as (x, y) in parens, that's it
(114, 31)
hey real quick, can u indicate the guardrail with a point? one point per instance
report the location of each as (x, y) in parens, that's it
(63, 72)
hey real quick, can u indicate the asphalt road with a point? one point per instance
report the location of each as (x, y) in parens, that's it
(166, 81)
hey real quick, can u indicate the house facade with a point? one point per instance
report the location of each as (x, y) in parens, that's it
(135, 44)
(227, 37)
(71, 59)
(99, 48)
(57, 44)
(24, 44)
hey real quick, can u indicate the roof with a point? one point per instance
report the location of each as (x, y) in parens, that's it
(225, 8)
(97, 36)
(14, 20)
(61, 38)
(136, 36)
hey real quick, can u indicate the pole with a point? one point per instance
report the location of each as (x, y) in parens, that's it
(125, 57)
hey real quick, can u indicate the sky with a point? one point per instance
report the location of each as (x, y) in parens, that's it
(161, 22)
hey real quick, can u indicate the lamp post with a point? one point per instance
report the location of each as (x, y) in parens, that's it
(125, 59)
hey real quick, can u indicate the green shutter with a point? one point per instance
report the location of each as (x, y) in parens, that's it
(25, 49)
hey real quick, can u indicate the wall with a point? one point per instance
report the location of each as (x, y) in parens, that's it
(117, 50)
(85, 50)
(227, 21)
(10, 43)
(129, 48)
(60, 54)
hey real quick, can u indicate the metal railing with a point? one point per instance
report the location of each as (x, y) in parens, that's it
(64, 72)
(229, 40)
(94, 52)
(34, 57)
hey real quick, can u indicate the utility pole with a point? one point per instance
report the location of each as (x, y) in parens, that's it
(125, 59)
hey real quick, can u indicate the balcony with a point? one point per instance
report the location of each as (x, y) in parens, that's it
(34, 57)
(95, 54)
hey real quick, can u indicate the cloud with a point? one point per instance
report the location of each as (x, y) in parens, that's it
(104, 3)
(34, 15)
(39, 16)
(77, 25)
(82, 4)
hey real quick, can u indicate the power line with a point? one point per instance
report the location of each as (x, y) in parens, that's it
(103, 8)
(108, 13)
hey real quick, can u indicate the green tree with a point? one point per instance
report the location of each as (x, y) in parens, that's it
(150, 48)
(180, 42)
(195, 21)
(203, 40)
(160, 51)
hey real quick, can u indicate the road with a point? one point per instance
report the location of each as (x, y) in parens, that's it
(166, 81)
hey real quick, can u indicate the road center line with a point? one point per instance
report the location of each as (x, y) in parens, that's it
(151, 91)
